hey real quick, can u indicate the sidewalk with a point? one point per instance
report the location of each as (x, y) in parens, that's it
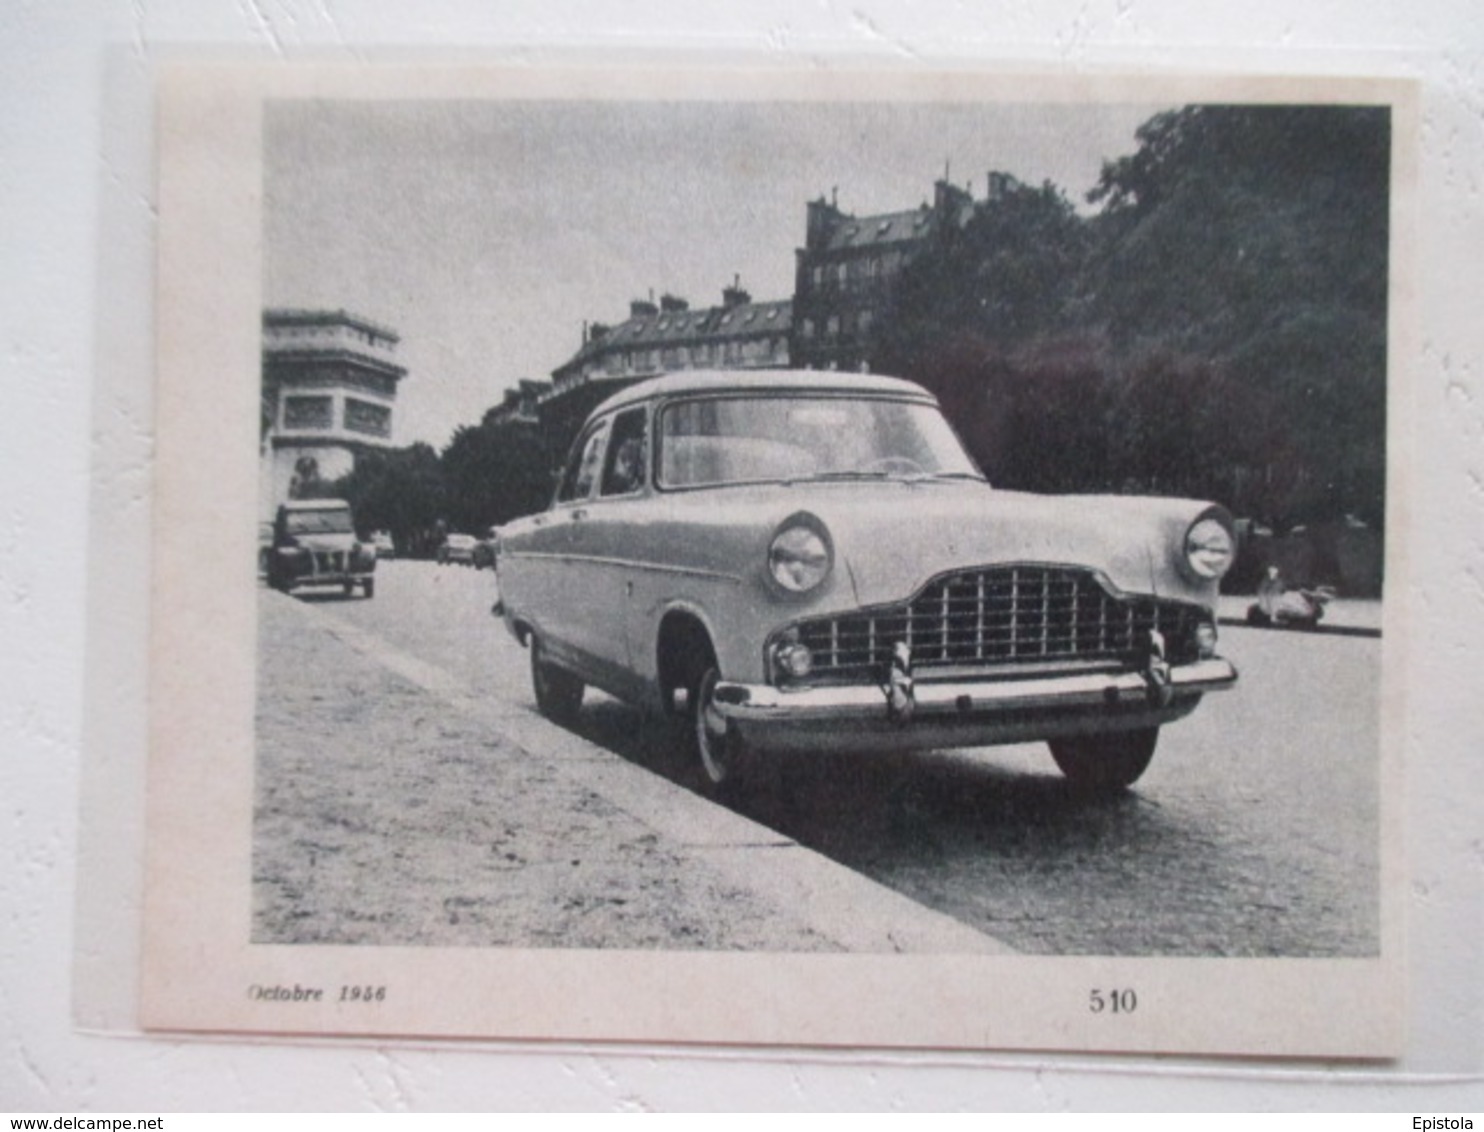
(397, 806)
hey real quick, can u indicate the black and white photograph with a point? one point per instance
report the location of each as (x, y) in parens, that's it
(900, 560)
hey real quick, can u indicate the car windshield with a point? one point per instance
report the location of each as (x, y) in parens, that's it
(330, 521)
(717, 440)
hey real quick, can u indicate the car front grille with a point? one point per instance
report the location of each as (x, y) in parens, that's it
(1026, 615)
(329, 562)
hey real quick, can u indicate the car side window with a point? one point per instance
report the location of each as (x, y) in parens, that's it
(623, 472)
(583, 472)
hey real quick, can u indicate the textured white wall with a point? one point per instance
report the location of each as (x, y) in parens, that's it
(74, 274)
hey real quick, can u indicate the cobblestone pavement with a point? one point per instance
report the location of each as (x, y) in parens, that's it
(383, 814)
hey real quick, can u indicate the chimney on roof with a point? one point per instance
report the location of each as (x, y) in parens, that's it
(734, 296)
(949, 200)
(641, 308)
(999, 184)
(597, 331)
(671, 304)
(821, 216)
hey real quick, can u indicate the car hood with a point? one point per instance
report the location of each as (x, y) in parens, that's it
(894, 537)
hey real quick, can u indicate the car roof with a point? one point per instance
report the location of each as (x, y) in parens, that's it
(762, 380)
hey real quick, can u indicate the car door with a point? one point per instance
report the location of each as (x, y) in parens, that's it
(554, 562)
(614, 533)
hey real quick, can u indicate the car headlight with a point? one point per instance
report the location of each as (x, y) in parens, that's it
(799, 557)
(1209, 548)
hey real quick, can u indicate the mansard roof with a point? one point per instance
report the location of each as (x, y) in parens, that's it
(886, 228)
(691, 327)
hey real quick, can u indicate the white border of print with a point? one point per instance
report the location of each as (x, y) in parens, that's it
(197, 965)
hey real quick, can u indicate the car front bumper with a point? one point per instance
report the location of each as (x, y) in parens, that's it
(967, 712)
(355, 578)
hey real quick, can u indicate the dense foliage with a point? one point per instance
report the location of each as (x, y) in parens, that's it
(493, 473)
(486, 475)
(398, 490)
(1218, 329)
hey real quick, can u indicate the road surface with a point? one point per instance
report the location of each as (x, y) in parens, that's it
(1254, 833)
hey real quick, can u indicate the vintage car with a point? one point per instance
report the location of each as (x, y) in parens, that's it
(799, 562)
(382, 542)
(315, 544)
(265, 547)
(456, 548)
(485, 549)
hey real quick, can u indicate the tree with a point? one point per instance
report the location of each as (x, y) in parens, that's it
(494, 473)
(398, 490)
(1008, 277)
(1250, 242)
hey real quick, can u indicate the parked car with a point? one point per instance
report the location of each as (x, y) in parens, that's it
(382, 541)
(315, 544)
(265, 547)
(485, 549)
(456, 548)
(804, 562)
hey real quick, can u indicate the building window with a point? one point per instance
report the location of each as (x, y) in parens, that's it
(806, 328)
(832, 327)
(308, 412)
(362, 416)
(863, 322)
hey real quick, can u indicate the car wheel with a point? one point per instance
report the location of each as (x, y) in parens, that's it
(368, 587)
(1105, 764)
(558, 693)
(721, 755)
(350, 589)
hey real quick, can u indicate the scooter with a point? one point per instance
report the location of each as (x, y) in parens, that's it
(1278, 605)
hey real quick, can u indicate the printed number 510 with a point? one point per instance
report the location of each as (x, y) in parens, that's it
(1112, 1001)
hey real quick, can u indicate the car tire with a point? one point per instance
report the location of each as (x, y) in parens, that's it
(558, 692)
(368, 587)
(1105, 764)
(721, 757)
